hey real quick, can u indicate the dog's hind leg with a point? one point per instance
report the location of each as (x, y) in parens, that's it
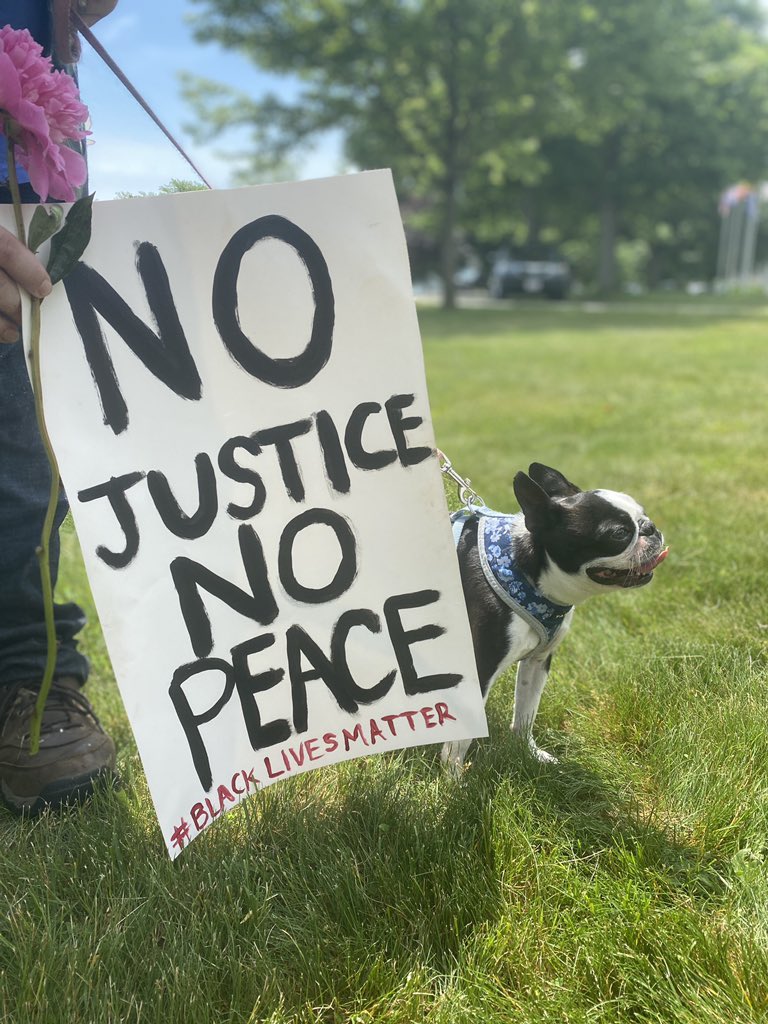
(531, 679)
(454, 751)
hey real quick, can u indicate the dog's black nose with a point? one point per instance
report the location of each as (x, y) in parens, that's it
(646, 527)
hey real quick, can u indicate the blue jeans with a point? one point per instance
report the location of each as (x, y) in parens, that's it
(24, 484)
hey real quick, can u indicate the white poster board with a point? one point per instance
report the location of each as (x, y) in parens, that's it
(235, 388)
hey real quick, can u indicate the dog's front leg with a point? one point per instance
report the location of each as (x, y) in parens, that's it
(531, 678)
(452, 755)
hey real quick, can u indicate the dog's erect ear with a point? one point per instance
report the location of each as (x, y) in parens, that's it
(539, 509)
(551, 482)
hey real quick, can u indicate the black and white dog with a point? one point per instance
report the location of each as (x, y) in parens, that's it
(523, 574)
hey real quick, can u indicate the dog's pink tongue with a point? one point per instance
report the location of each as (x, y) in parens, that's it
(656, 561)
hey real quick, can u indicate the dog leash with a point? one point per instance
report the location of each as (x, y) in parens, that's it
(86, 33)
(468, 496)
(471, 502)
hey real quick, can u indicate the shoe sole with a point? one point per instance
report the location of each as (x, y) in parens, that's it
(58, 794)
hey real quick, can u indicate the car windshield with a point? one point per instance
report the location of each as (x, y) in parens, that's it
(531, 253)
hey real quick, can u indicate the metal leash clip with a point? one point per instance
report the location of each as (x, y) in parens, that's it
(467, 495)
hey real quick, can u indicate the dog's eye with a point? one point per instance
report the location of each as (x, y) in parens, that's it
(620, 531)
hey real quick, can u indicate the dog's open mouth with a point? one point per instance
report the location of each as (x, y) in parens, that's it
(637, 576)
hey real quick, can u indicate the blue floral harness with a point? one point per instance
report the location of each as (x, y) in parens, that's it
(495, 531)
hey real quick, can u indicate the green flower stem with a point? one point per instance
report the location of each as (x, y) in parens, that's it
(44, 549)
(13, 184)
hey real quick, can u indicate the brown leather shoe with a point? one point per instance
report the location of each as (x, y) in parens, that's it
(74, 749)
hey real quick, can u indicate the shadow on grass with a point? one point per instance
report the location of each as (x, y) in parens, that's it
(333, 888)
(600, 817)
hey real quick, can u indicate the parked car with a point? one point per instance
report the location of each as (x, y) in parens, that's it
(531, 270)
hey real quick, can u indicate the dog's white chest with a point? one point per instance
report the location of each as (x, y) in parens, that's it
(523, 641)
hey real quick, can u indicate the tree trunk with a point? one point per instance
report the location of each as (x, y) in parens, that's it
(653, 269)
(448, 249)
(607, 271)
(530, 206)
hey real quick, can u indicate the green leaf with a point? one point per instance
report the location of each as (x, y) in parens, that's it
(69, 244)
(44, 223)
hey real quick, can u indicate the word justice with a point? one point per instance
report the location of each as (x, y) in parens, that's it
(336, 455)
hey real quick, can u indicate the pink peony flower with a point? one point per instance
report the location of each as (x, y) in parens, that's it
(40, 110)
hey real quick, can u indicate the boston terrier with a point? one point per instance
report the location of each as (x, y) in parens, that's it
(522, 575)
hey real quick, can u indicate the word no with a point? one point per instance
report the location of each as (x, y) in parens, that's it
(166, 354)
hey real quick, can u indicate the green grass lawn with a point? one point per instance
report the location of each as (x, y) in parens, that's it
(629, 883)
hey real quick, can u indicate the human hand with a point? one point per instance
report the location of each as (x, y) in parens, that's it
(66, 18)
(92, 11)
(18, 266)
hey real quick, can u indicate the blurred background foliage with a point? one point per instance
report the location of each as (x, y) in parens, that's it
(607, 129)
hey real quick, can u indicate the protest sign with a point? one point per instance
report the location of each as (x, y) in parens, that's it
(235, 390)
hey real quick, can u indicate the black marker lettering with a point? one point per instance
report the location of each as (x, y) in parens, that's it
(166, 354)
(248, 684)
(353, 439)
(179, 523)
(333, 454)
(299, 643)
(346, 622)
(289, 372)
(281, 438)
(114, 489)
(399, 424)
(190, 577)
(190, 722)
(402, 639)
(346, 571)
(240, 474)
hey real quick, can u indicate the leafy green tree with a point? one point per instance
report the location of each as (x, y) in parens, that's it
(173, 186)
(590, 122)
(452, 96)
(670, 102)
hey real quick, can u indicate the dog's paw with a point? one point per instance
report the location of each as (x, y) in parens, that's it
(541, 755)
(534, 751)
(456, 770)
